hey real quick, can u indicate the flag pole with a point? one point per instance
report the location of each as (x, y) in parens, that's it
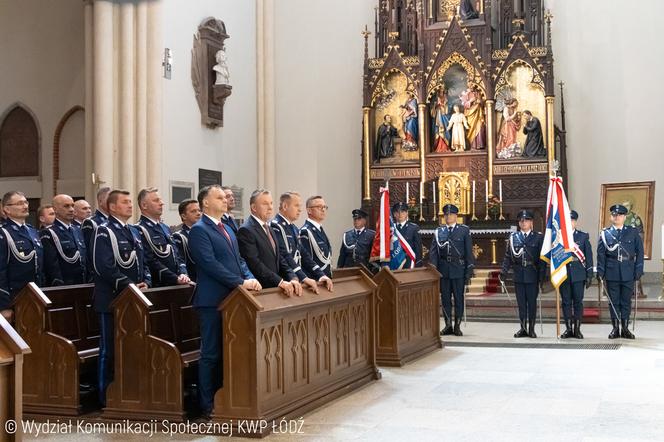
(557, 313)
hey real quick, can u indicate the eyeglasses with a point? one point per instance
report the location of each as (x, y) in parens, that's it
(319, 207)
(20, 203)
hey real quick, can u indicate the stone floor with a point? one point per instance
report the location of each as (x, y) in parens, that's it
(500, 394)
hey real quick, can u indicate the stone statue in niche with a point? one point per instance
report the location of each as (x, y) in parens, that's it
(384, 147)
(221, 68)
(410, 121)
(534, 139)
(209, 71)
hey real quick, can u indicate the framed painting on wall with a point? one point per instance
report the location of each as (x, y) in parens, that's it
(638, 198)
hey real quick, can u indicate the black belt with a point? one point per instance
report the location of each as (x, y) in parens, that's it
(524, 263)
(455, 259)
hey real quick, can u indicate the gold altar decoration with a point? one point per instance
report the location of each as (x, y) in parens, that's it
(454, 188)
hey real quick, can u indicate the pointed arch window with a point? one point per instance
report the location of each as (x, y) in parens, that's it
(19, 143)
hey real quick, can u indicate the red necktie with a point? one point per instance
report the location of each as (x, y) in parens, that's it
(223, 230)
(267, 232)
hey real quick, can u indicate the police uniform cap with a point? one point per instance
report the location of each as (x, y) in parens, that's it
(618, 209)
(359, 213)
(573, 214)
(450, 208)
(525, 214)
(400, 207)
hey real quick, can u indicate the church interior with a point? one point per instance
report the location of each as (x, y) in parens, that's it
(477, 151)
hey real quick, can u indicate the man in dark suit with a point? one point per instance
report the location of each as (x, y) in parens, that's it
(452, 253)
(166, 265)
(118, 260)
(620, 265)
(579, 273)
(356, 243)
(65, 256)
(260, 248)
(220, 269)
(410, 232)
(523, 256)
(288, 237)
(228, 217)
(190, 213)
(21, 251)
(316, 249)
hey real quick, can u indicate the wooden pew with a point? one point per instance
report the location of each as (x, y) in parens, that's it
(284, 356)
(351, 271)
(157, 345)
(12, 351)
(61, 327)
(407, 314)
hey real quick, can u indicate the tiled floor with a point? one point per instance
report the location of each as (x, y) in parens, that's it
(510, 394)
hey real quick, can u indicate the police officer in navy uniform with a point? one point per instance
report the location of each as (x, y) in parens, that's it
(166, 265)
(89, 226)
(452, 253)
(579, 278)
(118, 260)
(288, 237)
(620, 265)
(315, 247)
(190, 213)
(65, 255)
(356, 243)
(21, 252)
(410, 232)
(523, 256)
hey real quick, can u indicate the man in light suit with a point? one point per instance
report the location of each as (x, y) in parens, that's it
(220, 269)
(260, 249)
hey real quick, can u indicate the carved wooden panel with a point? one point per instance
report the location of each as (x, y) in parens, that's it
(19, 144)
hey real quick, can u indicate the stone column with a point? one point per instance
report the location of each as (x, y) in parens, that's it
(154, 94)
(103, 110)
(140, 154)
(89, 102)
(126, 99)
(266, 136)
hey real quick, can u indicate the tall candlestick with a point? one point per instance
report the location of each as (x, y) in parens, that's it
(421, 192)
(473, 190)
(486, 191)
(407, 192)
(500, 190)
(433, 188)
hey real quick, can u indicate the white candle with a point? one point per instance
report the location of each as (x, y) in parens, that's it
(433, 187)
(662, 241)
(486, 191)
(407, 192)
(500, 190)
(473, 190)
(421, 192)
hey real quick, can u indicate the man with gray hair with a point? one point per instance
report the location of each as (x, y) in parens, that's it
(260, 249)
(166, 265)
(89, 226)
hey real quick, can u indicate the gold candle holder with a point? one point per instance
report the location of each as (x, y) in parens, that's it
(473, 218)
(493, 251)
(486, 210)
(501, 217)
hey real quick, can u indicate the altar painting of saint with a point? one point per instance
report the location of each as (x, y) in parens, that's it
(473, 109)
(410, 123)
(507, 146)
(457, 124)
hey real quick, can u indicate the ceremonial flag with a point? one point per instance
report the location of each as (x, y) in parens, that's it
(558, 243)
(390, 247)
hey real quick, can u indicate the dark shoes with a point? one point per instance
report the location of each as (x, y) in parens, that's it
(577, 330)
(448, 328)
(457, 327)
(625, 330)
(531, 329)
(615, 332)
(522, 333)
(568, 333)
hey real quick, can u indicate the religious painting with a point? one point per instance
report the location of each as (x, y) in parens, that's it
(638, 198)
(396, 120)
(521, 109)
(457, 116)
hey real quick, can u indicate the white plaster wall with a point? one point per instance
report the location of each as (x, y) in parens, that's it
(41, 48)
(611, 63)
(188, 145)
(319, 53)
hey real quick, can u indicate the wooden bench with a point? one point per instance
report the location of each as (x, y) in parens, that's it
(407, 314)
(62, 329)
(12, 351)
(351, 271)
(284, 356)
(157, 344)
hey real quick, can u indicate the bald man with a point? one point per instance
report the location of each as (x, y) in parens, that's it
(65, 255)
(82, 211)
